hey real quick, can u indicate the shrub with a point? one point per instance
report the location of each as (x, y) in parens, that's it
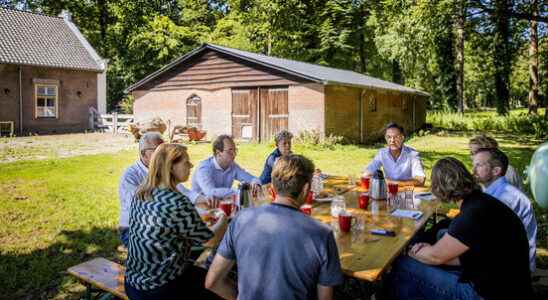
(314, 138)
(518, 122)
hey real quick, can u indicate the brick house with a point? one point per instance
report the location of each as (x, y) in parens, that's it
(50, 76)
(253, 96)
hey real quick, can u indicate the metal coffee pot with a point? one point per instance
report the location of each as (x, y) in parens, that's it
(377, 186)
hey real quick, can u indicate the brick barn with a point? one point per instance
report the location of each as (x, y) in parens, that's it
(50, 76)
(253, 96)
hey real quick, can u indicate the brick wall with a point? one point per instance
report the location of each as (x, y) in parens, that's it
(306, 108)
(73, 109)
(342, 112)
(171, 105)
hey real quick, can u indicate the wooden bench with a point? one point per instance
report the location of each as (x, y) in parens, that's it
(101, 275)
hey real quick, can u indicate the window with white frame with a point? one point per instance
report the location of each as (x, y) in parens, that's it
(46, 101)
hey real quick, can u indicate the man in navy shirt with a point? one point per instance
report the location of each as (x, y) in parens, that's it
(280, 252)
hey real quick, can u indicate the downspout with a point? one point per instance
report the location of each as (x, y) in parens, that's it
(20, 102)
(361, 116)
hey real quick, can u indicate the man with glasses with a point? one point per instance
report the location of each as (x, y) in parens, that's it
(215, 175)
(401, 164)
(133, 177)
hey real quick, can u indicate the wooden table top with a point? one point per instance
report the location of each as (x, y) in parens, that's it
(363, 255)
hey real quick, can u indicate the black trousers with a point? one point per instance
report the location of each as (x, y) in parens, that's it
(190, 285)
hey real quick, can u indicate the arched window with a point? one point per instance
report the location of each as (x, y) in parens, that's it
(194, 111)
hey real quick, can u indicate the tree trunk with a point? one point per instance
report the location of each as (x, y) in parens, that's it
(533, 62)
(461, 17)
(502, 61)
(396, 72)
(103, 25)
(363, 60)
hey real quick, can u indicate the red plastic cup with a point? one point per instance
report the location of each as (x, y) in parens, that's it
(363, 200)
(309, 198)
(393, 188)
(272, 193)
(226, 206)
(306, 209)
(345, 222)
(365, 182)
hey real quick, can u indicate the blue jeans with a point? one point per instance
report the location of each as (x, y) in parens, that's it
(124, 235)
(411, 280)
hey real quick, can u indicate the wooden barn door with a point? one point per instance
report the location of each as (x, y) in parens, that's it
(274, 111)
(244, 113)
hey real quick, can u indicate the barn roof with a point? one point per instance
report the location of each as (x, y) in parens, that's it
(312, 72)
(38, 40)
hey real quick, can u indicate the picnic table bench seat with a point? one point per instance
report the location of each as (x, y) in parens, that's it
(101, 275)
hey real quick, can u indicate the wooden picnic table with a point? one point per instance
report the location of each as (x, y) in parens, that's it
(365, 256)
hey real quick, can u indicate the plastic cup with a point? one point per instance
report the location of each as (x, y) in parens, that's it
(393, 188)
(309, 197)
(306, 209)
(365, 182)
(226, 206)
(345, 221)
(363, 200)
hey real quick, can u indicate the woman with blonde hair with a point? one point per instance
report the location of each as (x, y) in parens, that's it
(163, 226)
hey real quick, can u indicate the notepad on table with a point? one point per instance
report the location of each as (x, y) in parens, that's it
(406, 213)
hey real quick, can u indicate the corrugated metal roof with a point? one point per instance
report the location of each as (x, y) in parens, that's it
(38, 40)
(317, 73)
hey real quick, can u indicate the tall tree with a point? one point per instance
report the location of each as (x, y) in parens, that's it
(533, 61)
(503, 57)
(460, 20)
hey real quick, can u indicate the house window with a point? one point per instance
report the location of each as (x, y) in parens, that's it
(194, 112)
(46, 101)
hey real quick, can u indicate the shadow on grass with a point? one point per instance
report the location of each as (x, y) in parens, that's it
(41, 274)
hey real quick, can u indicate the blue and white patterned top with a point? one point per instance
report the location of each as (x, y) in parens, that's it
(521, 205)
(406, 167)
(130, 181)
(162, 231)
(211, 180)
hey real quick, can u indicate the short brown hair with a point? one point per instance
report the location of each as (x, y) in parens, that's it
(290, 174)
(219, 143)
(451, 181)
(484, 141)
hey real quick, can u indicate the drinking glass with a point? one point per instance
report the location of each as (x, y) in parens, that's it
(337, 205)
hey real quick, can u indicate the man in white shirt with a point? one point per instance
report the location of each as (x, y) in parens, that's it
(215, 175)
(401, 164)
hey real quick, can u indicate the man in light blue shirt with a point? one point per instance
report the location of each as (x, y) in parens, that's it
(400, 163)
(490, 167)
(215, 175)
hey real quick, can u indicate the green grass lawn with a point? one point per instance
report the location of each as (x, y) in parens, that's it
(58, 213)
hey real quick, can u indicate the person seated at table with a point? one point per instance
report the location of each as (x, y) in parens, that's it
(283, 148)
(486, 242)
(215, 175)
(163, 226)
(489, 166)
(280, 252)
(132, 178)
(135, 175)
(483, 141)
(401, 164)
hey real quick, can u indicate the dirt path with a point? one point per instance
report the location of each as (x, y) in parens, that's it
(62, 145)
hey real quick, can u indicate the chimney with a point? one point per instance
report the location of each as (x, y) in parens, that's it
(65, 14)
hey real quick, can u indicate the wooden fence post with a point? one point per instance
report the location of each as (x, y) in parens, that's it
(114, 123)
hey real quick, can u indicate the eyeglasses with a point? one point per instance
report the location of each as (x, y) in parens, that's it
(393, 137)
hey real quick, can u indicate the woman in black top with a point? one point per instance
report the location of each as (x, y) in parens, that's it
(163, 227)
(486, 244)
